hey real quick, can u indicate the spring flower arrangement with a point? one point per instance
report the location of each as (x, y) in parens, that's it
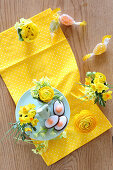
(27, 30)
(96, 88)
(26, 123)
(44, 91)
(100, 48)
(63, 19)
(85, 121)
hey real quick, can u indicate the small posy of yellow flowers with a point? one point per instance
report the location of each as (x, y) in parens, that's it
(27, 114)
(46, 93)
(107, 95)
(27, 30)
(85, 121)
(96, 88)
(41, 146)
(100, 48)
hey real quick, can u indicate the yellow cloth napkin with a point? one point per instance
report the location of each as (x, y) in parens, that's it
(22, 62)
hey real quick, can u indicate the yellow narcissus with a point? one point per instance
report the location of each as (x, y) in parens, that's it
(107, 95)
(46, 94)
(29, 32)
(34, 122)
(100, 87)
(87, 81)
(27, 114)
(85, 121)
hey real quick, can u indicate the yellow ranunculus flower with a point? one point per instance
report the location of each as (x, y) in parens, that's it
(34, 122)
(46, 94)
(29, 32)
(101, 77)
(87, 81)
(107, 95)
(100, 87)
(85, 121)
(28, 129)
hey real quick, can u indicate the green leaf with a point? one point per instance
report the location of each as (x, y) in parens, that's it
(96, 100)
(19, 34)
(23, 137)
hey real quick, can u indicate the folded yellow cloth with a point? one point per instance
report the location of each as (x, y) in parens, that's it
(21, 62)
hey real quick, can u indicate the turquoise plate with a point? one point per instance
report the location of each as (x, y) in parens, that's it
(26, 99)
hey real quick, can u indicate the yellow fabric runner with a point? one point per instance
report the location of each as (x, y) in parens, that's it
(22, 62)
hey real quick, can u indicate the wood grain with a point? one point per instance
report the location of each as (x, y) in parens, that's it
(97, 154)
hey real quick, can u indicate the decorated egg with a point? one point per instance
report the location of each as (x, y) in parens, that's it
(51, 121)
(58, 108)
(62, 123)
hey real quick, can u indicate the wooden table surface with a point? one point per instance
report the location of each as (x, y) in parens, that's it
(97, 154)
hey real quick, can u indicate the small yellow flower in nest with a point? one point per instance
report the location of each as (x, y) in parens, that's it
(107, 95)
(46, 94)
(29, 32)
(85, 121)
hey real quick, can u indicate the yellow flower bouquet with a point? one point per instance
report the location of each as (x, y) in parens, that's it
(27, 30)
(96, 88)
(27, 122)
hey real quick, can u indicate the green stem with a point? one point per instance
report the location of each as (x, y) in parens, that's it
(19, 128)
(12, 132)
(27, 141)
(18, 136)
(7, 133)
